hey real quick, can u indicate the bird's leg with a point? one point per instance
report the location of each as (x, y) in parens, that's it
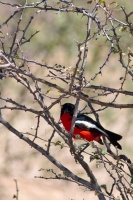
(82, 147)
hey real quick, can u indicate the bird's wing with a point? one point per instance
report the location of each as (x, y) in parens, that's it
(86, 123)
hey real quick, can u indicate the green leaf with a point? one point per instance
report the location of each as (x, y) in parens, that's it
(62, 146)
(57, 143)
(101, 1)
(91, 158)
(104, 187)
(17, 57)
(115, 50)
(94, 157)
(41, 169)
(123, 28)
(89, 2)
(132, 179)
(104, 151)
(59, 91)
(47, 91)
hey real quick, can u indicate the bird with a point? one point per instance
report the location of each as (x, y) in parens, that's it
(86, 128)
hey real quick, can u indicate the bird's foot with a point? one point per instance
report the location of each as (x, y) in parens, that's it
(82, 147)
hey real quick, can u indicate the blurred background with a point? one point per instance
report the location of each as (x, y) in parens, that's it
(55, 43)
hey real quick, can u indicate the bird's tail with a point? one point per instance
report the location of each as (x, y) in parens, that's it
(113, 138)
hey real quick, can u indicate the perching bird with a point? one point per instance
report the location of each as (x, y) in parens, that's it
(85, 127)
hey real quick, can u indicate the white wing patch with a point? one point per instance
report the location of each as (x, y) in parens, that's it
(89, 125)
